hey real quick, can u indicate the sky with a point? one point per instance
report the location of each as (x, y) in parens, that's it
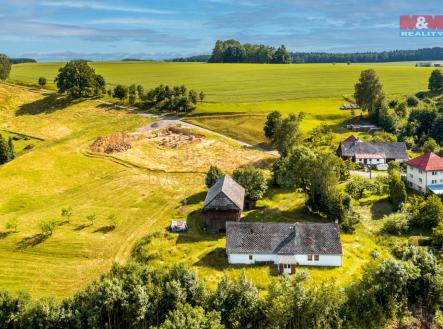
(54, 30)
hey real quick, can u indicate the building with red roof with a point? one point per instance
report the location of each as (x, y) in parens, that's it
(425, 173)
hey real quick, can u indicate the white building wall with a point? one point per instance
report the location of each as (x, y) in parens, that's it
(324, 260)
(417, 179)
(371, 161)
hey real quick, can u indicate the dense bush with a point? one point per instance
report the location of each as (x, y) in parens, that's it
(137, 296)
(396, 223)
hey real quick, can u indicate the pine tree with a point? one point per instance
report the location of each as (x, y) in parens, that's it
(5, 154)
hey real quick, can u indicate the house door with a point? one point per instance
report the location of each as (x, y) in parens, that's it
(287, 269)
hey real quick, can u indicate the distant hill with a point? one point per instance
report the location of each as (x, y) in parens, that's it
(22, 60)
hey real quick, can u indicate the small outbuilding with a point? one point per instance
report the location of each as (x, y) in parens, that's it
(224, 202)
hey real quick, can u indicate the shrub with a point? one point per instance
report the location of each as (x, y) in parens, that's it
(12, 224)
(213, 175)
(396, 224)
(48, 227)
(437, 235)
(412, 101)
(350, 223)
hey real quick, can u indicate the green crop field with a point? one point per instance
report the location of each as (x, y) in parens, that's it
(240, 95)
(233, 83)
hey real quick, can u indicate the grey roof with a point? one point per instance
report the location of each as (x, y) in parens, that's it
(230, 189)
(390, 150)
(283, 238)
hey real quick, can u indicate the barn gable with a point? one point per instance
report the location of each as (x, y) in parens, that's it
(226, 194)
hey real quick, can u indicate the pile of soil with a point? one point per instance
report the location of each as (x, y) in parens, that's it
(117, 142)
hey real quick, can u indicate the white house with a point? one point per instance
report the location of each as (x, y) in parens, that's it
(372, 153)
(286, 245)
(425, 173)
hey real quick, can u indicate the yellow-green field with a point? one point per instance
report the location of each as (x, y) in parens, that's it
(238, 96)
(239, 83)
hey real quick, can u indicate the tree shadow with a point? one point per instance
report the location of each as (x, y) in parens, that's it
(195, 198)
(82, 227)
(380, 209)
(264, 163)
(49, 104)
(4, 235)
(217, 259)
(105, 229)
(196, 231)
(32, 241)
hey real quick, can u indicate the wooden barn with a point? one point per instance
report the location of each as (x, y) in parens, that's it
(224, 202)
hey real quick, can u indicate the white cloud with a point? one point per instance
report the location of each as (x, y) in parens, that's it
(104, 6)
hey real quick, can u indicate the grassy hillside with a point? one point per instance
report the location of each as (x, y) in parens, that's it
(59, 172)
(228, 83)
(144, 187)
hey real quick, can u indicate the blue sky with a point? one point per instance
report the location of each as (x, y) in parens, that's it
(156, 29)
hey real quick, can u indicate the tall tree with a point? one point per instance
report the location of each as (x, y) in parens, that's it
(5, 153)
(436, 81)
(78, 79)
(213, 175)
(5, 67)
(369, 93)
(11, 147)
(282, 56)
(397, 190)
(288, 134)
(273, 120)
(253, 180)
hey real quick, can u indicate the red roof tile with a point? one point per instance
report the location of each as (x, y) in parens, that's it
(428, 161)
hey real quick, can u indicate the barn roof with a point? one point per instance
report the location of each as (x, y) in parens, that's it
(427, 162)
(395, 150)
(283, 238)
(230, 188)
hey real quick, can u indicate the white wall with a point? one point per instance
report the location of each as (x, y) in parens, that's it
(370, 161)
(416, 178)
(324, 260)
(244, 258)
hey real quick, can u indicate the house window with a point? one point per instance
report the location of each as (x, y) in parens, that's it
(434, 181)
(434, 173)
(286, 266)
(412, 176)
(420, 180)
(309, 257)
(316, 257)
(251, 257)
(420, 171)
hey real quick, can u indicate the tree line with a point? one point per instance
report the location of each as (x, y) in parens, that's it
(263, 54)
(390, 290)
(232, 51)
(423, 54)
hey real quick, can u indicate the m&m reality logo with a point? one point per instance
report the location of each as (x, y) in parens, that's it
(421, 26)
